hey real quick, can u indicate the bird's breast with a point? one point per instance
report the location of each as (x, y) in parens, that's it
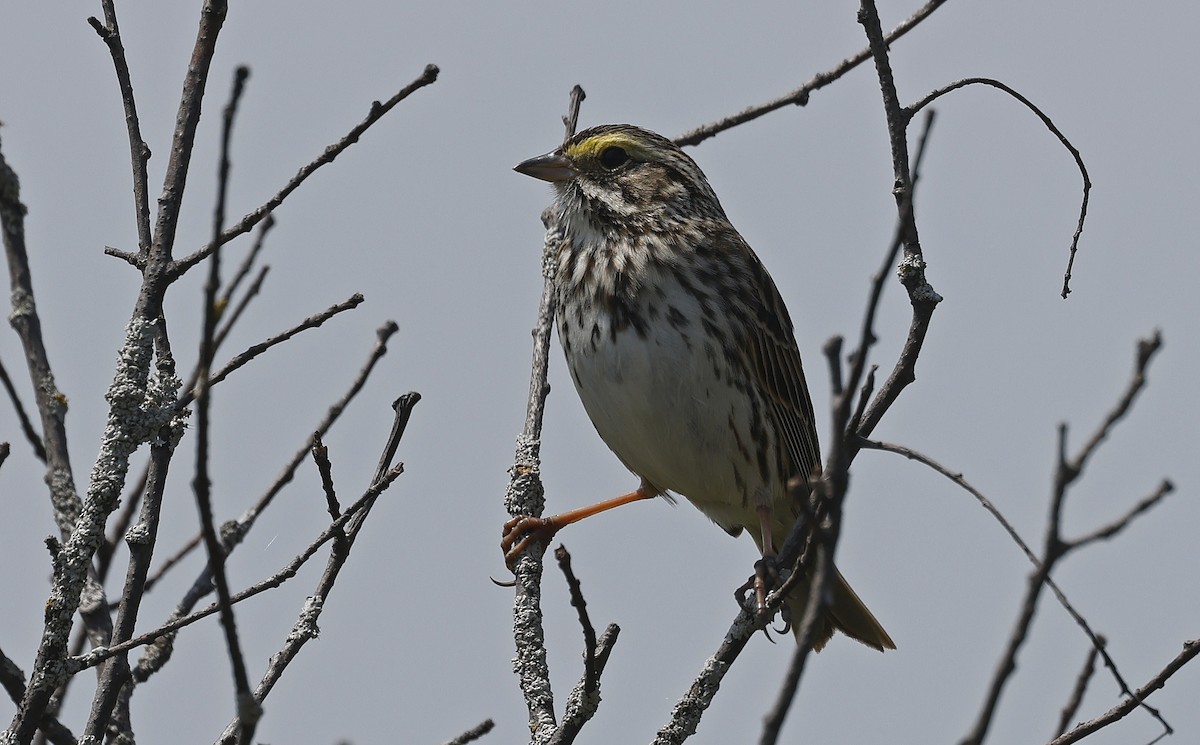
(666, 394)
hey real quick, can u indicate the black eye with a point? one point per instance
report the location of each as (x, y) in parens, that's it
(613, 157)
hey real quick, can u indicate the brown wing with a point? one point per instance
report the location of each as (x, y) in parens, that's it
(775, 363)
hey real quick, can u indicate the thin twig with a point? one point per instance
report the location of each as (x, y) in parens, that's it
(1142, 506)
(305, 627)
(99, 654)
(1087, 181)
(139, 151)
(571, 120)
(590, 680)
(248, 710)
(51, 403)
(923, 298)
(320, 455)
(240, 360)
(378, 110)
(1081, 684)
(473, 734)
(31, 435)
(1190, 650)
(248, 261)
(581, 705)
(1146, 350)
(799, 97)
(235, 530)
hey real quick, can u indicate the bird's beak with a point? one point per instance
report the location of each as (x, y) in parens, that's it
(550, 167)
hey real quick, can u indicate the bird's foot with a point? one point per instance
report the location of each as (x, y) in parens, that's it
(522, 531)
(766, 578)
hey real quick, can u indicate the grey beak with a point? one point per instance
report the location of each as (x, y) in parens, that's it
(549, 167)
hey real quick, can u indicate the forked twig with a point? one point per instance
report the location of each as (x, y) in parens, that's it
(305, 627)
(1056, 548)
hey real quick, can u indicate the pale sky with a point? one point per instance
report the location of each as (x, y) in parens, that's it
(425, 217)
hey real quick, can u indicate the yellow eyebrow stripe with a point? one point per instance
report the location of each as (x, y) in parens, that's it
(593, 146)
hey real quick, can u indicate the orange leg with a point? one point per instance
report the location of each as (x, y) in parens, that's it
(523, 530)
(764, 524)
(766, 575)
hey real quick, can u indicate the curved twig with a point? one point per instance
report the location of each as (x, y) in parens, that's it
(1087, 181)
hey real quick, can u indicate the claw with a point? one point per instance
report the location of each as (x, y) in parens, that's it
(739, 595)
(785, 614)
(521, 532)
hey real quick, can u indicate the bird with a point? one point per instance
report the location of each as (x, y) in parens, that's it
(681, 350)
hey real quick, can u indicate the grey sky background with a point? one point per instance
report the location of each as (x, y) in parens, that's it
(425, 217)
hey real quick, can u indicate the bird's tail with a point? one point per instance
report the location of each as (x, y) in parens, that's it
(846, 613)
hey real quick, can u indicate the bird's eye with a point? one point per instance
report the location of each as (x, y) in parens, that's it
(613, 157)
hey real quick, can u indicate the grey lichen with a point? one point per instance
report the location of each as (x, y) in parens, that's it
(525, 494)
(911, 272)
(22, 306)
(306, 625)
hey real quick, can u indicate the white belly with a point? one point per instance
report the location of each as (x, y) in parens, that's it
(662, 406)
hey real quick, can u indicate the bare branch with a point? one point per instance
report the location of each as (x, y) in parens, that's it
(248, 709)
(1081, 684)
(526, 496)
(590, 679)
(240, 360)
(305, 627)
(571, 120)
(1146, 350)
(13, 680)
(235, 530)
(378, 110)
(139, 151)
(581, 706)
(1118, 712)
(31, 435)
(51, 403)
(320, 455)
(99, 654)
(107, 703)
(131, 501)
(1087, 182)
(1143, 505)
(473, 734)
(585, 699)
(264, 228)
(799, 97)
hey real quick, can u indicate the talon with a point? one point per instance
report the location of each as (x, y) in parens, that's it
(785, 614)
(739, 595)
(522, 531)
